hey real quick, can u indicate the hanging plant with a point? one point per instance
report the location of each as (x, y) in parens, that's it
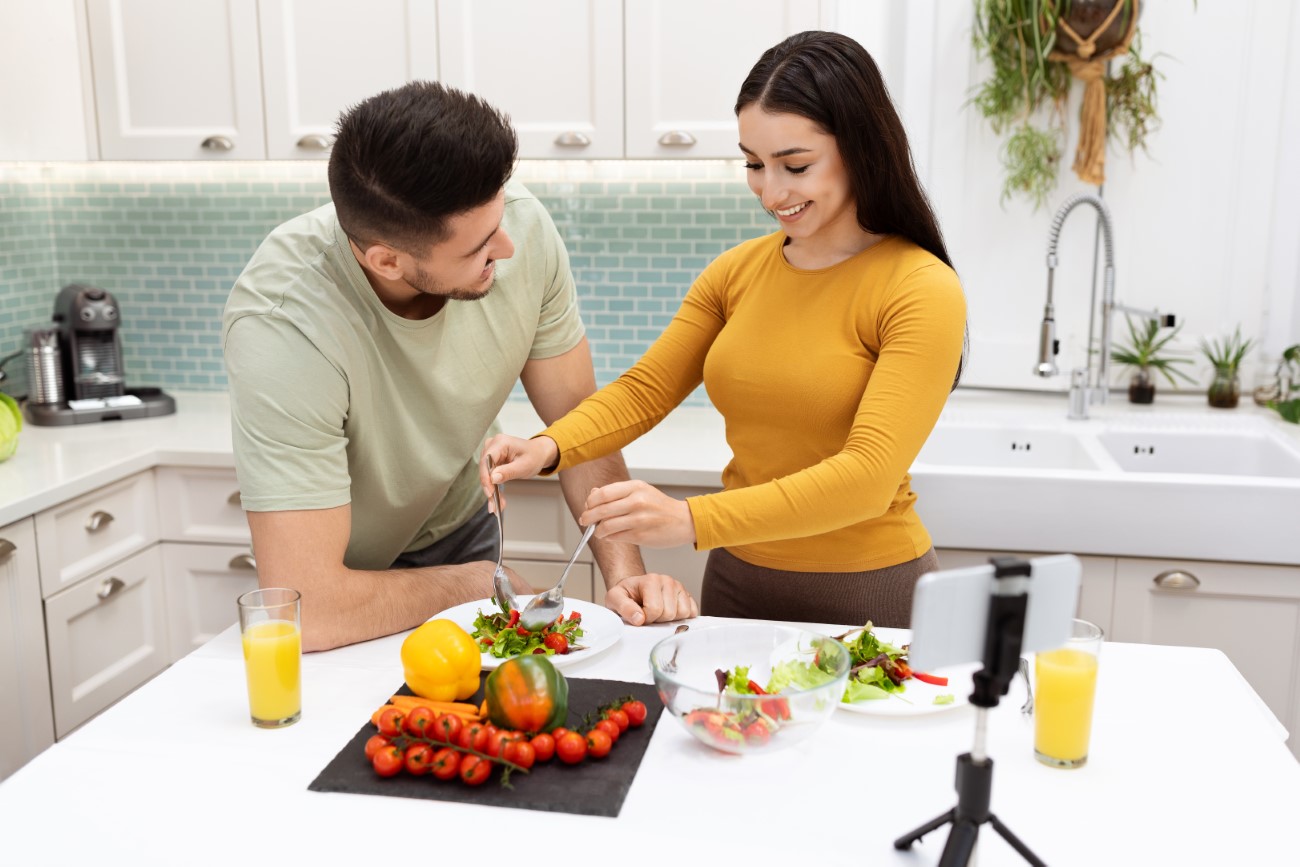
(1037, 49)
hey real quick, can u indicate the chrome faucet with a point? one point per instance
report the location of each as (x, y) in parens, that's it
(1086, 385)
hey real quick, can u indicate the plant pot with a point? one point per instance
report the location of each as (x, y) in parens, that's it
(1142, 388)
(1225, 390)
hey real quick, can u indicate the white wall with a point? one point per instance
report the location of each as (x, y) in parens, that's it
(1206, 224)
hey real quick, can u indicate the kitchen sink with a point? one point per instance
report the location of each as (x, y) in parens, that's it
(1235, 454)
(1002, 448)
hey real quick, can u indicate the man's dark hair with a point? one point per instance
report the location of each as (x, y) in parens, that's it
(832, 81)
(407, 159)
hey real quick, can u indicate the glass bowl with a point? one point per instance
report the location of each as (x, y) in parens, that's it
(806, 672)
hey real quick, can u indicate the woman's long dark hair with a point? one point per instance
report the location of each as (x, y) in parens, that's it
(832, 80)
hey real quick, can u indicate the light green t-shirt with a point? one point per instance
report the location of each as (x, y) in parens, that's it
(335, 399)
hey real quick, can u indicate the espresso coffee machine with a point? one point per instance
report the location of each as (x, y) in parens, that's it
(92, 377)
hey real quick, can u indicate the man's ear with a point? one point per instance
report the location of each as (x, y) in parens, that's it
(383, 260)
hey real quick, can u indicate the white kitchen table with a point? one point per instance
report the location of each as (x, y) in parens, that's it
(1188, 767)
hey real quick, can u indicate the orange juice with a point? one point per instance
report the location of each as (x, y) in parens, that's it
(1067, 682)
(272, 650)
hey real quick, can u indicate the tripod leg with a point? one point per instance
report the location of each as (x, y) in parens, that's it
(1015, 842)
(961, 844)
(906, 841)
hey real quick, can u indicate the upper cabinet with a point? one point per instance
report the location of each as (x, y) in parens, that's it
(555, 67)
(686, 61)
(321, 56)
(176, 81)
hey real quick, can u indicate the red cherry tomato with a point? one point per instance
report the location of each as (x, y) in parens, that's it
(571, 748)
(418, 758)
(474, 770)
(575, 616)
(390, 722)
(636, 712)
(757, 733)
(375, 744)
(472, 737)
(557, 642)
(521, 753)
(620, 719)
(609, 727)
(417, 722)
(543, 746)
(388, 761)
(599, 743)
(445, 764)
(446, 728)
(559, 732)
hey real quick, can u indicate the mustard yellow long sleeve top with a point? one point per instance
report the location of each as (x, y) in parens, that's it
(829, 381)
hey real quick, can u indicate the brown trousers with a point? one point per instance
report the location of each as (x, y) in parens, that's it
(734, 588)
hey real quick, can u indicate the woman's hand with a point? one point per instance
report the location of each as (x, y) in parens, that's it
(639, 514)
(514, 458)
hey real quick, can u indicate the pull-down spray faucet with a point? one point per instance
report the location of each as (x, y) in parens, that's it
(1086, 385)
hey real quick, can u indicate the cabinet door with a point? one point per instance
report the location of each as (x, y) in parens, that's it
(176, 81)
(321, 56)
(201, 504)
(107, 635)
(556, 68)
(543, 574)
(1096, 585)
(538, 524)
(203, 582)
(1250, 612)
(685, 63)
(92, 531)
(26, 722)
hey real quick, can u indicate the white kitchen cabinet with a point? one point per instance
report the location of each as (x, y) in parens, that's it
(555, 68)
(685, 63)
(321, 56)
(85, 534)
(26, 720)
(201, 504)
(106, 636)
(177, 81)
(203, 582)
(1251, 612)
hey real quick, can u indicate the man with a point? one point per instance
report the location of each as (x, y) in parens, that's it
(371, 343)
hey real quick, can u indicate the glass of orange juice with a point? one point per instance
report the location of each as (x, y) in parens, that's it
(1063, 698)
(270, 621)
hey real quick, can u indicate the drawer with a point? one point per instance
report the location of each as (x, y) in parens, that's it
(203, 582)
(107, 635)
(542, 575)
(201, 504)
(538, 523)
(93, 531)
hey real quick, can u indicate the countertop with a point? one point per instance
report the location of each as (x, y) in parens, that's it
(1184, 762)
(1101, 511)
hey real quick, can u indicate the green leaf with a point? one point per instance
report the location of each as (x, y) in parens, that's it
(1288, 409)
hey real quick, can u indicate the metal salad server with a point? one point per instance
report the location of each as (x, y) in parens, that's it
(501, 591)
(545, 607)
(1028, 706)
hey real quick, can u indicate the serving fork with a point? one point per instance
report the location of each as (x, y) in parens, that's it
(501, 590)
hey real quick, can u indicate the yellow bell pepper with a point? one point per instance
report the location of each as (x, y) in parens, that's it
(441, 661)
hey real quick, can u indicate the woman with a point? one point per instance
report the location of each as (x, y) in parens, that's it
(829, 346)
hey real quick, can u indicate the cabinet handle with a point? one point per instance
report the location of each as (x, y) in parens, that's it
(217, 143)
(109, 587)
(234, 500)
(98, 521)
(572, 139)
(6, 548)
(677, 138)
(315, 142)
(242, 561)
(1176, 579)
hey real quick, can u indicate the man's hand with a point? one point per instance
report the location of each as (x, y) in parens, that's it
(639, 514)
(651, 598)
(514, 458)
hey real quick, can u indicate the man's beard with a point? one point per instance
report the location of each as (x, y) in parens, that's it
(421, 281)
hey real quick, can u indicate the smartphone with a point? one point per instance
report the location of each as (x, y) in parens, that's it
(950, 610)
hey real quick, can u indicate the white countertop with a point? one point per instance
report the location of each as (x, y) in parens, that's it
(1185, 762)
(1102, 511)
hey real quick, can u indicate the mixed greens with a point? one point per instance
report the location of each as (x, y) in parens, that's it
(500, 634)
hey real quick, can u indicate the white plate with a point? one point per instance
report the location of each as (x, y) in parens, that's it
(601, 628)
(918, 698)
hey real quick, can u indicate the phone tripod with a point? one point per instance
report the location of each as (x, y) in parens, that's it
(1006, 626)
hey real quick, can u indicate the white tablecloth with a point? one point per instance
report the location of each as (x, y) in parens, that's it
(1187, 767)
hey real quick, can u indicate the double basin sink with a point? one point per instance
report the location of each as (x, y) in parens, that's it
(1207, 484)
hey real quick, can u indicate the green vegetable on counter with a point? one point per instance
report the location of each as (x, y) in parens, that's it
(11, 422)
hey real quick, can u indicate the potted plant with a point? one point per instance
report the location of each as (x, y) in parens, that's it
(1036, 49)
(1143, 354)
(1226, 356)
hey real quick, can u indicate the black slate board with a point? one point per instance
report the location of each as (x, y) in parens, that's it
(593, 787)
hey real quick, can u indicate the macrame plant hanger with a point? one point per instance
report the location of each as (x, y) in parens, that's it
(1089, 66)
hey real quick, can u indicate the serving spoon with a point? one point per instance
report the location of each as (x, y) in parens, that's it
(545, 607)
(501, 590)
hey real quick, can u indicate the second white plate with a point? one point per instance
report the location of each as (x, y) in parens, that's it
(601, 628)
(918, 698)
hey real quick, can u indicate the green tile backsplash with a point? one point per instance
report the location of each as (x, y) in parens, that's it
(169, 239)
